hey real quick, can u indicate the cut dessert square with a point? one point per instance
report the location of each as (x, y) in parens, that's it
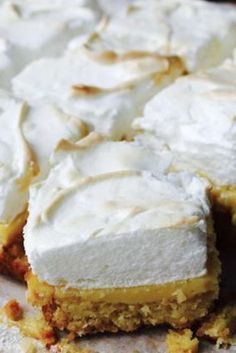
(32, 29)
(113, 243)
(107, 91)
(202, 34)
(199, 128)
(30, 135)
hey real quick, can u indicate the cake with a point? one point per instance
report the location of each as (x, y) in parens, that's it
(31, 29)
(201, 130)
(30, 135)
(202, 34)
(105, 91)
(115, 243)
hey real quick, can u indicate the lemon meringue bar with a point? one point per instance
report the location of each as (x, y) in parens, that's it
(30, 29)
(202, 34)
(114, 243)
(106, 91)
(199, 127)
(28, 137)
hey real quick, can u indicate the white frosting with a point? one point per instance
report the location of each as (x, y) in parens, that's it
(30, 135)
(109, 91)
(199, 124)
(105, 218)
(201, 33)
(32, 29)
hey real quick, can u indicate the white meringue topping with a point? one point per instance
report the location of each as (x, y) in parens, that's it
(203, 34)
(106, 91)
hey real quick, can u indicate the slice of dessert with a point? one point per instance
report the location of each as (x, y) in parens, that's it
(195, 118)
(202, 34)
(113, 243)
(28, 137)
(107, 91)
(30, 29)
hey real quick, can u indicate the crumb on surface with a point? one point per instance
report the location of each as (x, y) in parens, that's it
(182, 342)
(30, 326)
(36, 327)
(220, 326)
(13, 310)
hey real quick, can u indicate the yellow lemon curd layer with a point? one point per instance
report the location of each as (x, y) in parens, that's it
(9, 232)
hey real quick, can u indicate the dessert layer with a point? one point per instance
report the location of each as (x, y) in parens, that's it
(107, 91)
(91, 317)
(126, 228)
(201, 123)
(203, 34)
